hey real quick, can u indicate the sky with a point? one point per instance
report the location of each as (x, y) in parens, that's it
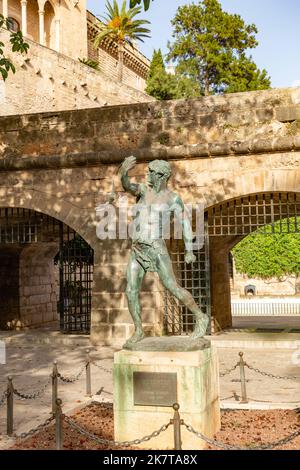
(278, 32)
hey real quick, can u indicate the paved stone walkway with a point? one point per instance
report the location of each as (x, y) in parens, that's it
(30, 361)
(284, 322)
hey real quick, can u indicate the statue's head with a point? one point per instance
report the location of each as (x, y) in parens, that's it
(159, 171)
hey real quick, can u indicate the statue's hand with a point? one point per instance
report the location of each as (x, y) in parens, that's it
(189, 257)
(128, 163)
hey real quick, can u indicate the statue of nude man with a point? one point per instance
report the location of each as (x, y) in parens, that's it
(149, 252)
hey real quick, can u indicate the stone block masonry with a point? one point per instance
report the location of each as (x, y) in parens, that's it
(38, 294)
(135, 64)
(26, 299)
(220, 148)
(196, 389)
(46, 80)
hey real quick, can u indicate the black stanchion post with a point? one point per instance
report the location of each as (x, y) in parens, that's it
(243, 378)
(58, 425)
(176, 421)
(88, 374)
(54, 386)
(10, 406)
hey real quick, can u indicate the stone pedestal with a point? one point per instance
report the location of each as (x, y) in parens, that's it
(192, 378)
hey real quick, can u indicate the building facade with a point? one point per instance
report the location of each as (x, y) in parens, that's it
(59, 34)
(61, 26)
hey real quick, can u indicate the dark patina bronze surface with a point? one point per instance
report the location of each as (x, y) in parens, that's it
(169, 343)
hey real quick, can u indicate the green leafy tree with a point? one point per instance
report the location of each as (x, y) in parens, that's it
(209, 48)
(265, 254)
(17, 45)
(120, 26)
(160, 84)
(133, 3)
(186, 87)
(245, 76)
(165, 86)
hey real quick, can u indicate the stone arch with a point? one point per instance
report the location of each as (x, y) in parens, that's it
(252, 182)
(44, 264)
(269, 173)
(14, 10)
(220, 246)
(54, 6)
(33, 20)
(50, 39)
(76, 218)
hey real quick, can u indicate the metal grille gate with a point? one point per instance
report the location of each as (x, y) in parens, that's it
(244, 215)
(74, 260)
(195, 278)
(238, 217)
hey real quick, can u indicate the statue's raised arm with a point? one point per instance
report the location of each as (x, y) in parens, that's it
(127, 165)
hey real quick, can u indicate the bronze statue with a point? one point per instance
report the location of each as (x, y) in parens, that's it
(150, 253)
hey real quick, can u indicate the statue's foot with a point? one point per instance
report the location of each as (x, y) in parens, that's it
(137, 336)
(200, 327)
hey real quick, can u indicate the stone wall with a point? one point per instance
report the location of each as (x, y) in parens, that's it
(108, 64)
(63, 20)
(111, 320)
(38, 285)
(73, 28)
(136, 65)
(29, 285)
(288, 286)
(244, 128)
(48, 81)
(220, 148)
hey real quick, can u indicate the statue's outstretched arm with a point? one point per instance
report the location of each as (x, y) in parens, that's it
(132, 188)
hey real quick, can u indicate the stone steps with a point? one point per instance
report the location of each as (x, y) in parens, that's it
(256, 340)
(42, 337)
(243, 339)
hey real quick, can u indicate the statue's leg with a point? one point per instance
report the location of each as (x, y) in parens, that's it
(135, 275)
(167, 277)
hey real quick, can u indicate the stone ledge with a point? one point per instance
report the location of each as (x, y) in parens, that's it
(287, 113)
(234, 148)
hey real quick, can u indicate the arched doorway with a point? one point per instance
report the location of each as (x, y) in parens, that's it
(46, 273)
(226, 224)
(33, 20)
(50, 40)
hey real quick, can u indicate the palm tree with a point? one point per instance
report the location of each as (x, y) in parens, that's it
(138, 2)
(120, 26)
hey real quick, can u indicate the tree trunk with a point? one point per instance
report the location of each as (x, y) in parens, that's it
(206, 89)
(120, 61)
(206, 84)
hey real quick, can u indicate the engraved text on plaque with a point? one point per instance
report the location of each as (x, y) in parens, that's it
(154, 388)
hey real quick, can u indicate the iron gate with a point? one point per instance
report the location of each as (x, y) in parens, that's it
(244, 215)
(238, 217)
(194, 277)
(76, 262)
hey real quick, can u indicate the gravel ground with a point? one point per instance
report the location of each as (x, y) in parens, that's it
(246, 428)
(250, 428)
(31, 364)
